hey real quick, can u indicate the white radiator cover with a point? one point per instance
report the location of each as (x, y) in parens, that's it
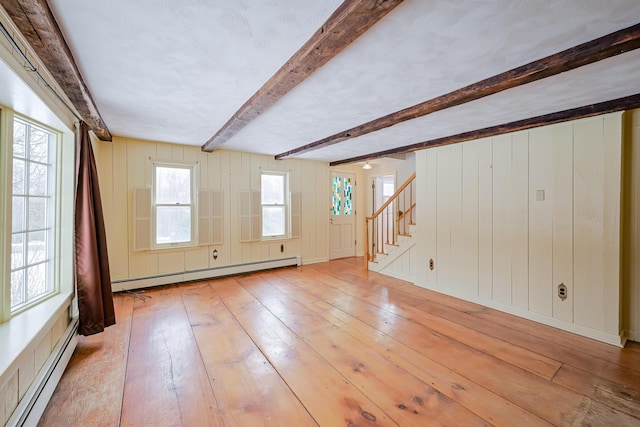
(35, 401)
(208, 273)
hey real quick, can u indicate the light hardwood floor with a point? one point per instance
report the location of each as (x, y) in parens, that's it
(333, 345)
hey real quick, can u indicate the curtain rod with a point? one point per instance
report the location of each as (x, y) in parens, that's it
(30, 67)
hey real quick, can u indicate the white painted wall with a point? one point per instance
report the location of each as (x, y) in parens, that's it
(631, 228)
(495, 243)
(126, 163)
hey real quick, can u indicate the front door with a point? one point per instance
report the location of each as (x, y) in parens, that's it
(343, 215)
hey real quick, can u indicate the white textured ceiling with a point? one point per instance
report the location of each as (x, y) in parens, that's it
(177, 70)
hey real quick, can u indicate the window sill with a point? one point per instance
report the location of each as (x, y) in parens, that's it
(27, 328)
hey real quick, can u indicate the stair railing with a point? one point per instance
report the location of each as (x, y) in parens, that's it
(391, 220)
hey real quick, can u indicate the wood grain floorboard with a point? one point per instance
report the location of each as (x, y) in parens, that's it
(331, 344)
(90, 391)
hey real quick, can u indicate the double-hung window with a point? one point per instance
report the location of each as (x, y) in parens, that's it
(274, 195)
(32, 214)
(173, 205)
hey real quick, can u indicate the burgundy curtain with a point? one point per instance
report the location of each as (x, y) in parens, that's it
(93, 280)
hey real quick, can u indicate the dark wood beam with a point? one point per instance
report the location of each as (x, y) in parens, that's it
(37, 24)
(620, 104)
(586, 53)
(347, 23)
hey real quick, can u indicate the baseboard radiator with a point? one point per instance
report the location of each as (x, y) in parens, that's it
(35, 400)
(208, 273)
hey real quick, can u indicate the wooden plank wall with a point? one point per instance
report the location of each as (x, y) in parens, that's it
(509, 218)
(126, 163)
(631, 229)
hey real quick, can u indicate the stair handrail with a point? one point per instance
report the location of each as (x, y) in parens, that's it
(371, 256)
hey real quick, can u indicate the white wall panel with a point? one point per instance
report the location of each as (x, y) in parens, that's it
(541, 196)
(469, 222)
(502, 219)
(485, 218)
(509, 218)
(126, 163)
(562, 229)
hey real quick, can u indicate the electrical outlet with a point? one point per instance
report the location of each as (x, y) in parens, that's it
(562, 291)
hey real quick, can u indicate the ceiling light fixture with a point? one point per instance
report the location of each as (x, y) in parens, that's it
(366, 166)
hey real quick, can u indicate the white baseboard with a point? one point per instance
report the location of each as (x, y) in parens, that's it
(315, 260)
(616, 340)
(209, 273)
(35, 400)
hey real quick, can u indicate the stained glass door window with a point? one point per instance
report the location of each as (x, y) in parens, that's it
(342, 196)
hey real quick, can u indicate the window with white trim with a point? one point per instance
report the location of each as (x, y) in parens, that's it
(32, 214)
(274, 191)
(173, 210)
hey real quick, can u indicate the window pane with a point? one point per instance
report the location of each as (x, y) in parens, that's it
(18, 176)
(348, 208)
(17, 288)
(18, 222)
(273, 221)
(37, 213)
(336, 204)
(36, 247)
(173, 185)
(19, 131)
(37, 281)
(39, 146)
(173, 224)
(17, 251)
(38, 179)
(272, 189)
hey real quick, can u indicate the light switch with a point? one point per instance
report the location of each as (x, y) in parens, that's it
(539, 195)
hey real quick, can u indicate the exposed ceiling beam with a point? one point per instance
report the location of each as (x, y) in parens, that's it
(347, 23)
(37, 24)
(586, 53)
(620, 104)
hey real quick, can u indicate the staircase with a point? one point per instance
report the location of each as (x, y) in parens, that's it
(390, 231)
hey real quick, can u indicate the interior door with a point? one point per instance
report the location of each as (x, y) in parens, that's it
(343, 215)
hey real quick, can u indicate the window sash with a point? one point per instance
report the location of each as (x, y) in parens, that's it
(33, 231)
(274, 205)
(174, 222)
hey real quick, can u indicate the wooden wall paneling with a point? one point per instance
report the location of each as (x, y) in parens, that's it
(11, 393)
(221, 161)
(164, 151)
(196, 258)
(447, 190)
(541, 152)
(250, 178)
(203, 170)
(502, 219)
(631, 262)
(485, 218)
(235, 186)
(177, 152)
(562, 228)
(588, 155)
(520, 220)
(26, 373)
(429, 221)
(469, 245)
(612, 204)
(141, 218)
(455, 198)
(309, 216)
(322, 194)
(119, 241)
(171, 261)
(141, 263)
(3, 414)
